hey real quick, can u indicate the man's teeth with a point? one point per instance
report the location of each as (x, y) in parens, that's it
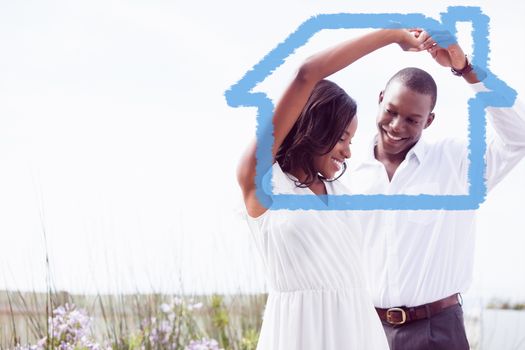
(393, 137)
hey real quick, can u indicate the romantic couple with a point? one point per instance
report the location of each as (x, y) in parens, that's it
(372, 279)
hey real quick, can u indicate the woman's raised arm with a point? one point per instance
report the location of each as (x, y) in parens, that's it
(313, 70)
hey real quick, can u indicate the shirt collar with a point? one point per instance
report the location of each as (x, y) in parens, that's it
(418, 151)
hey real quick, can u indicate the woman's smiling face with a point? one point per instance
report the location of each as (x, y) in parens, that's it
(331, 163)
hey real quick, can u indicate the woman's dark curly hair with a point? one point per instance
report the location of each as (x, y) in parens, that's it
(322, 122)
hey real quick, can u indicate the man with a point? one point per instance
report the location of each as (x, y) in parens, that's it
(418, 262)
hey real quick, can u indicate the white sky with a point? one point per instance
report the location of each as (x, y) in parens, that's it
(115, 137)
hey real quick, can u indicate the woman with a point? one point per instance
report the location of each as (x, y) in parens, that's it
(317, 298)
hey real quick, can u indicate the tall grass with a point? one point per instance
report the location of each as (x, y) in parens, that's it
(136, 321)
(33, 320)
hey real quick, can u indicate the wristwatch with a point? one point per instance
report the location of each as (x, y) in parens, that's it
(465, 70)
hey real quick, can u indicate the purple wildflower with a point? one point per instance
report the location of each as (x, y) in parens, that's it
(203, 344)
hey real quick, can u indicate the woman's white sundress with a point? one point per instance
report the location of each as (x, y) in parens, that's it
(317, 298)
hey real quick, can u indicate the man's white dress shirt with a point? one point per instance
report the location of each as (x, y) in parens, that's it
(414, 257)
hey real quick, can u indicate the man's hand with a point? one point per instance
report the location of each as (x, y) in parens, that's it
(443, 48)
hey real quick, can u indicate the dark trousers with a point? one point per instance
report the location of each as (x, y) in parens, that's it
(445, 331)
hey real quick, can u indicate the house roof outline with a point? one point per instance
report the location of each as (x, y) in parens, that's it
(499, 95)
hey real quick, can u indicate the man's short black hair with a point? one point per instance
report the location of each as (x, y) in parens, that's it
(417, 80)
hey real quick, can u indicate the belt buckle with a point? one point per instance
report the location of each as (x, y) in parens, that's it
(396, 309)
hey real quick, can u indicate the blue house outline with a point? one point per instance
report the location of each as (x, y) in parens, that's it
(499, 95)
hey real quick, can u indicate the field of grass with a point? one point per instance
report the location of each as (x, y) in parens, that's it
(139, 321)
(58, 320)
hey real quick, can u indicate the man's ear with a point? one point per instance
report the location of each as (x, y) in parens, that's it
(430, 119)
(381, 95)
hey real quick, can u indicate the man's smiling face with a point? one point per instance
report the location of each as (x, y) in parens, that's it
(403, 114)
